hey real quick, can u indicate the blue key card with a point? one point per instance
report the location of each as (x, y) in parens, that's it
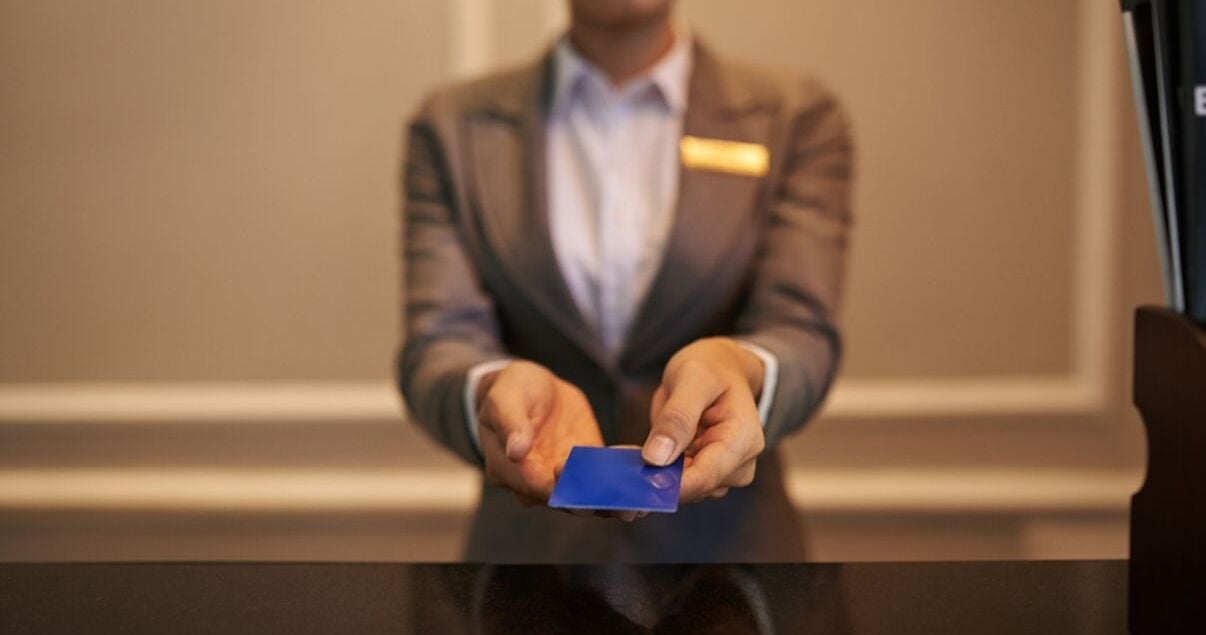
(616, 479)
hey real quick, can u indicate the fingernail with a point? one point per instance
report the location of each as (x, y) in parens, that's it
(659, 449)
(512, 441)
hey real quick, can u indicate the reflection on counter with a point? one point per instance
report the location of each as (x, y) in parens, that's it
(629, 599)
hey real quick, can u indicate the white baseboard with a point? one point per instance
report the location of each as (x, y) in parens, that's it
(235, 403)
(965, 491)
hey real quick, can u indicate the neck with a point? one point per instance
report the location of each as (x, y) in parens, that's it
(623, 53)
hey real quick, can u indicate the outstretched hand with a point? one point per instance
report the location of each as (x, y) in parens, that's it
(705, 407)
(528, 420)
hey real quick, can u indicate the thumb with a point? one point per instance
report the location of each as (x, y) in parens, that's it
(506, 414)
(673, 426)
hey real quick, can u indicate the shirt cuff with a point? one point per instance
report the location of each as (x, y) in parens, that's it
(472, 380)
(770, 378)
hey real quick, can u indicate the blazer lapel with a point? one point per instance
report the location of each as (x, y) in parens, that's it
(508, 158)
(712, 207)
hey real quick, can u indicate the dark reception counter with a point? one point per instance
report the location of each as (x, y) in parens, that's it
(1065, 597)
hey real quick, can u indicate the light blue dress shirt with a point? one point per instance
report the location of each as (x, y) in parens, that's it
(613, 170)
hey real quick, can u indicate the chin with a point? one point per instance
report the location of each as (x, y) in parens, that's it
(619, 13)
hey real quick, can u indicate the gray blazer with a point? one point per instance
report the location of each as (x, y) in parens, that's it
(759, 257)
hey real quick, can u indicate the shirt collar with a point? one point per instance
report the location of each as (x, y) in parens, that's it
(670, 74)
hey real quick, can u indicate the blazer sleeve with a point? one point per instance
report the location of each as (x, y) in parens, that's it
(792, 305)
(449, 320)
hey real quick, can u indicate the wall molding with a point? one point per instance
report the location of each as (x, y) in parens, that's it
(1097, 212)
(180, 402)
(470, 37)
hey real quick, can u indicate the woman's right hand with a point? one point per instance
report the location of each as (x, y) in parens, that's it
(528, 419)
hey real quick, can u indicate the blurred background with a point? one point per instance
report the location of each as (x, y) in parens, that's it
(199, 275)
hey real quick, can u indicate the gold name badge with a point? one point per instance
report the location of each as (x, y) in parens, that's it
(718, 155)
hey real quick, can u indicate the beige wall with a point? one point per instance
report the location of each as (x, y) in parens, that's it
(205, 190)
(967, 171)
(198, 202)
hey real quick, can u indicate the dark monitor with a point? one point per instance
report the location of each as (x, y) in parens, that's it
(1166, 43)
